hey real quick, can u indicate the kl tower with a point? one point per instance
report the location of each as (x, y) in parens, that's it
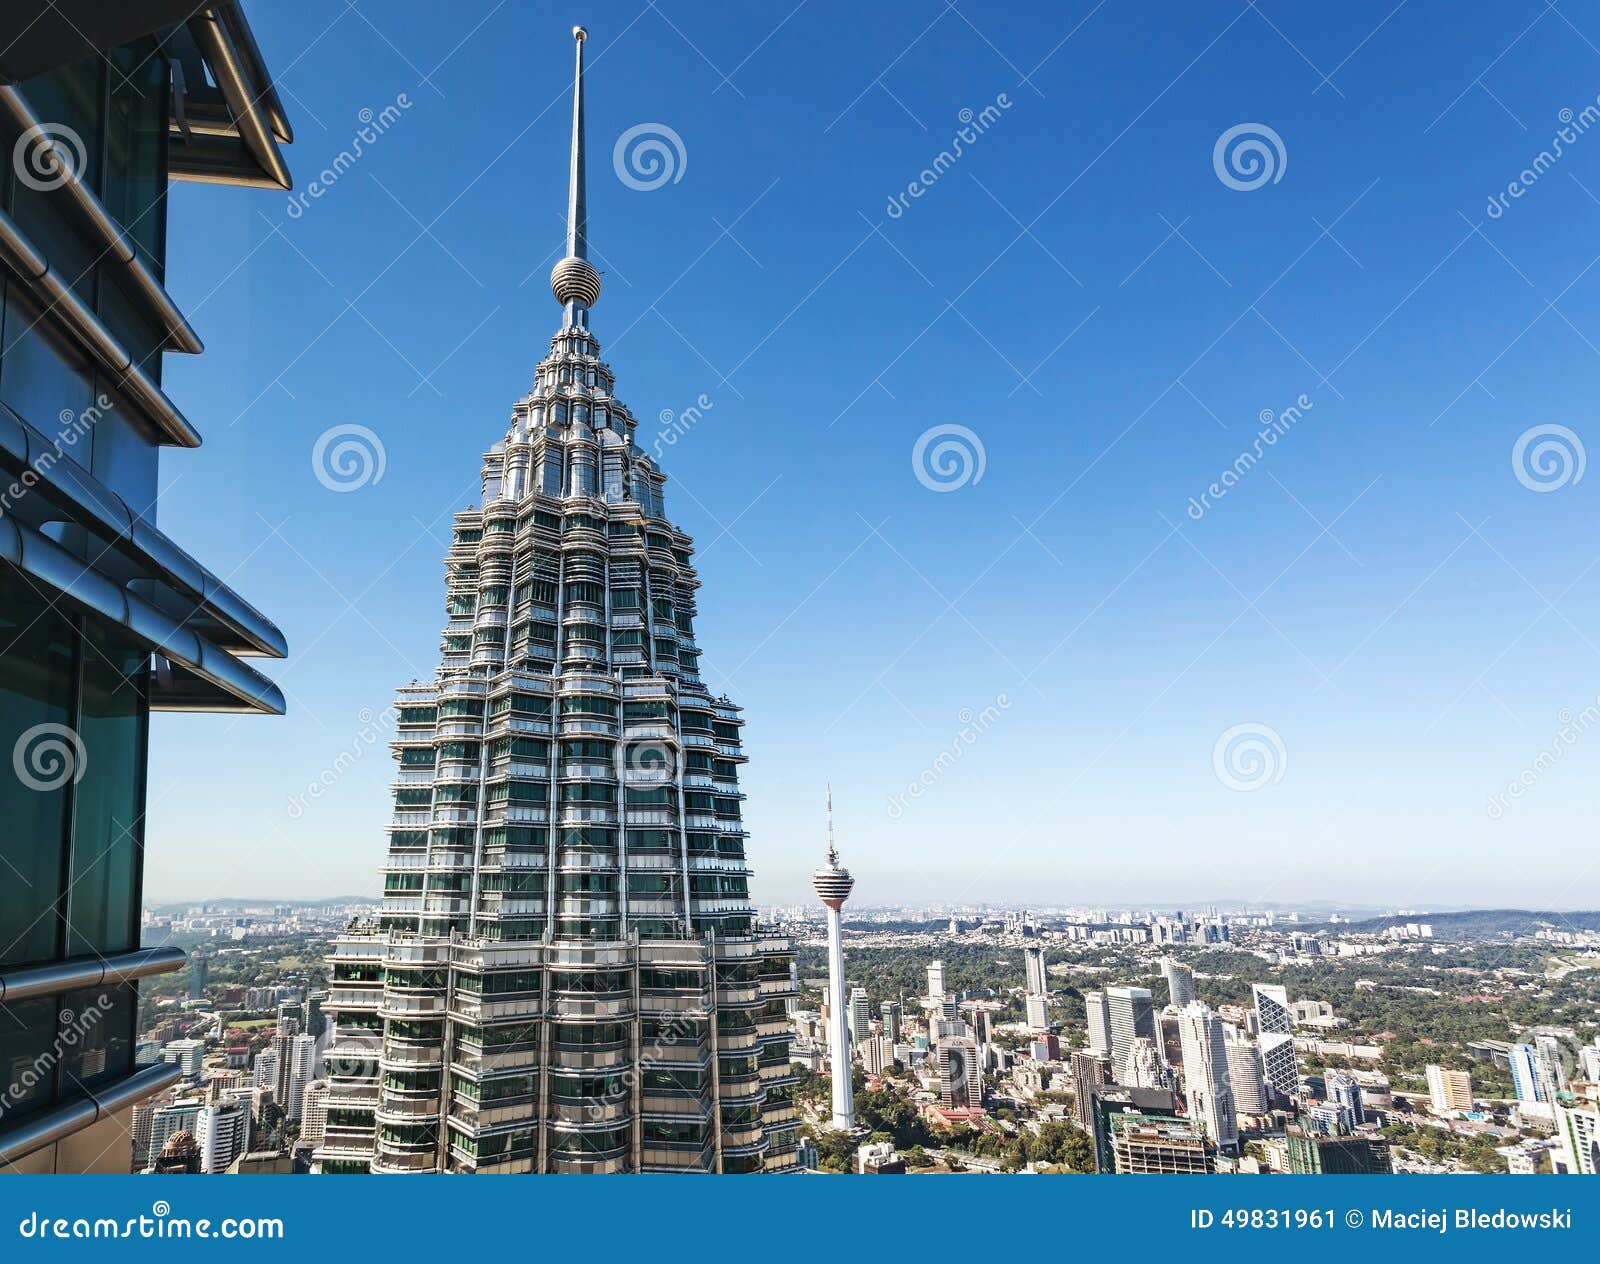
(833, 885)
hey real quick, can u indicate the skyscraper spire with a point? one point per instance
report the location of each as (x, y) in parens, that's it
(573, 280)
(577, 201)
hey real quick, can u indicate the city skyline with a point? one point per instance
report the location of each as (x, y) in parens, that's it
(1386, 658)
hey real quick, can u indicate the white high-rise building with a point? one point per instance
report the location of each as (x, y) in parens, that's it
(1206, 1075)
(936, 980)
(1132, 1014)
(960, 1073)
(1038, 1011)
(860, 1016)
(833, 885)
(167, 1121)
(314, 1113)
(1273, 1015)
(1279, 1064)
(1589, 1064)
(1527, 1076)
(1099, 1013)
(222, 1132)
(1552, 1072)
(1245, 1073)
(1033, 962)
(187, 1054)
(1578, 1130)
(1180, 982)
(1449, 1092)
(267, 1069)
(302, 1070)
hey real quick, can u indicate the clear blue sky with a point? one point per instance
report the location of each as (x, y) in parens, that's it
(1081, 291)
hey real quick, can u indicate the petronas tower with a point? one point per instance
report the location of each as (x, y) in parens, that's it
(567, 975)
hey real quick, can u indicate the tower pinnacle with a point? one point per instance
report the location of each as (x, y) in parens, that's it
(573, 280)
(832, 882)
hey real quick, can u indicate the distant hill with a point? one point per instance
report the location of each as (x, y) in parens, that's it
(180, 906)
(1482, 923)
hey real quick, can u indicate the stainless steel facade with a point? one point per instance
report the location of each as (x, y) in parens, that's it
(566, 975)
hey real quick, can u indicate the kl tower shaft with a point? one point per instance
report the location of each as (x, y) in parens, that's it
(833, 885)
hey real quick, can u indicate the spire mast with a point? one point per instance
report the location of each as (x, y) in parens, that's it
(833, 853)
(577, 208)
(573, 280)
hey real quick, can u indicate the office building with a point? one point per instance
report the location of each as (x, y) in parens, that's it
(567, 833)
(1273, 1015)
(1180, 982)
(1528, 1077)
(960, 1074)
(186, 1054)
(1099, 1017)
(1153, 1145)
(1578, 1136)
(168, 1121)
(1206, 1077)
(313, 1114)
(222, 1132)
(1108, 1101)
(936, 981)
(889, 1016)
(104, 617)
(860, 1016)
(1552, 1069)
(1089, 1071)
(1037, 982)
(1245, 1074)
(1131, 1014)
(1449, 1092)
(302, 1070)
(1314, 1154)
(1344, 1095)
(1037, 1009)
(1279, 1065)
(199, 972)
